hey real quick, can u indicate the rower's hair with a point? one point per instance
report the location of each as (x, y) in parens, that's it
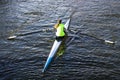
(59, 21)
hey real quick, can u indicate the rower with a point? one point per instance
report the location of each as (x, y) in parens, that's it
(60, 33)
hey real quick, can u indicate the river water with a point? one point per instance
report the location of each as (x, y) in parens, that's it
(87, 57)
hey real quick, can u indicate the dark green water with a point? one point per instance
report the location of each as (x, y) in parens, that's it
(86, 57)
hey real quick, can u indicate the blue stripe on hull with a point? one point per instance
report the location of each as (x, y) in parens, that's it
(49, 60)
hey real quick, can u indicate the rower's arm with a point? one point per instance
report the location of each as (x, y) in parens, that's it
(56, 26)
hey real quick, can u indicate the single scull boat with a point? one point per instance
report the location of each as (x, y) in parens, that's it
(55, 48)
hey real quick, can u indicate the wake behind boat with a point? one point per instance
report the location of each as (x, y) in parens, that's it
(55, 48)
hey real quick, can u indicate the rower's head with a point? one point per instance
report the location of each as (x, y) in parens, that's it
(59, 21)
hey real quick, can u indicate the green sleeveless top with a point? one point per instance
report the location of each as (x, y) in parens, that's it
(60, 30)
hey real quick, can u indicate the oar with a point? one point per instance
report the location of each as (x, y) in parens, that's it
(103, 40)
(28, 33)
